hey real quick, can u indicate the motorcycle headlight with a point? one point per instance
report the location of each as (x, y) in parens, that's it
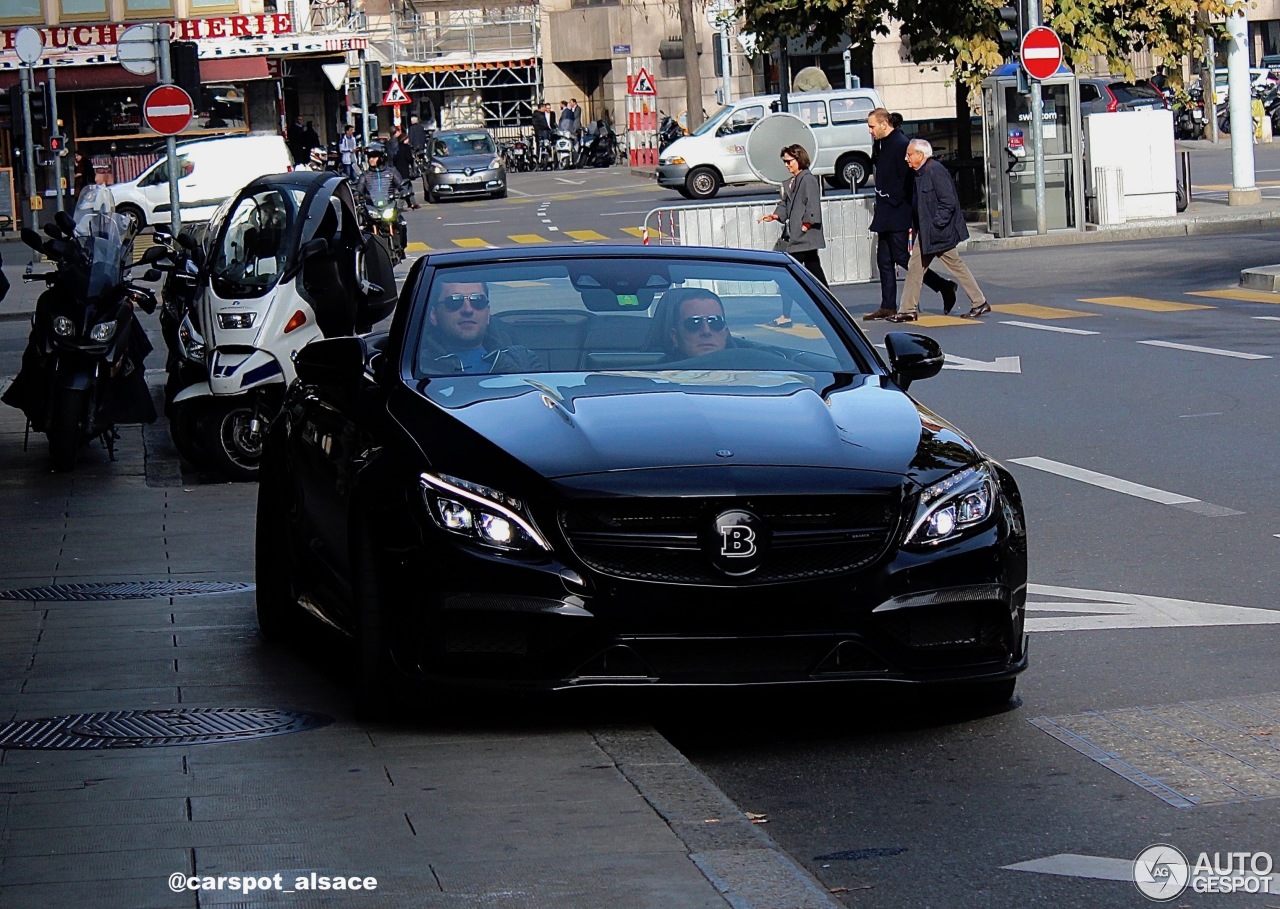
(190, 339)
(102, 332)
(236, 319)
(953, 505)
(388, 213)
(63, 327)
(481, 514)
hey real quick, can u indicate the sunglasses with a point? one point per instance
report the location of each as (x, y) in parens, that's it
(788, 160)
(694, 323)
(454, 302)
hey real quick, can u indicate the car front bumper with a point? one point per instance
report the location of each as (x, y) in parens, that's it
(672, 175)
(480, 183)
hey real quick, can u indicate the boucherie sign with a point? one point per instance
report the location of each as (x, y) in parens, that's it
(69, 36)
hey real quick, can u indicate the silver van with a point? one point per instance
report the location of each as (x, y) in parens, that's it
(714, 154)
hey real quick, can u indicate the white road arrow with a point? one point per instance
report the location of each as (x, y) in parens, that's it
(1073, 609)
(1000, 364)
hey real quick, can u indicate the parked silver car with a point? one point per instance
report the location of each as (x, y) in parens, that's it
(464, 162)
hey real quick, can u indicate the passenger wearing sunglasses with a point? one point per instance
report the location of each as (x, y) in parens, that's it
(699, 325)
(459, 338)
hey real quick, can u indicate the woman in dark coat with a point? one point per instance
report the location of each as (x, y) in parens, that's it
(401, 153)
(800, 211)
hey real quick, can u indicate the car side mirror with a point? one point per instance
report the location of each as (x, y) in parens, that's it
(334, 363)
(912, 357)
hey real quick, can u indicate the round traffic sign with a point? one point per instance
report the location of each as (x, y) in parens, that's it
(136, 49)
(167, 110)
(1041, 52)
(29, 43)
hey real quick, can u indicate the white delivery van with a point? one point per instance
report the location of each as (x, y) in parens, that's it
(210, 170)
(714, 154)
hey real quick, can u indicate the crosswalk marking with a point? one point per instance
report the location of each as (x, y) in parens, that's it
(634, 231)
(1235, 293)
(811, 332)
(1034, 311)
(585, 235)
(1060, 329)
(470, 243)
(415, 246)
(1145, 304)
(527, 238)
(1239, 355)
(928, 321)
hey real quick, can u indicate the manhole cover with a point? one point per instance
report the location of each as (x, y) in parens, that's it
(125, 590)
(155, 728)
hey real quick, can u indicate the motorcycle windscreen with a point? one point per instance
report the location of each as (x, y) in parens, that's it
(255, 245)
(102, 239)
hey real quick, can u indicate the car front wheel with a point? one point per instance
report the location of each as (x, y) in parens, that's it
(702, 183)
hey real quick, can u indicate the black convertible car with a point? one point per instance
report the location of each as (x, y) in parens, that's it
(606, 466)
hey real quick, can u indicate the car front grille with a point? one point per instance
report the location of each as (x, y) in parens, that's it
(659, 540)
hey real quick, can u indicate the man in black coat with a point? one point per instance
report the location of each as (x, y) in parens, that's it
(940, 228)
(892, 219)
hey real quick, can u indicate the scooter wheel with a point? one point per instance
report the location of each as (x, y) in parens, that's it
(233, 433)
(64, 429)
(184, 430)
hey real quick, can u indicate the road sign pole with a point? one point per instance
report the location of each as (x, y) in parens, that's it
(170, 142)
(1034, 14)
(28, 146)
(56, 163)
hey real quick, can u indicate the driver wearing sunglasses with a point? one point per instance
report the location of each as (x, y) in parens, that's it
(700, 326)
(460, 339)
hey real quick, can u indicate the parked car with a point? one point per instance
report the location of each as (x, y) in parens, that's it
(210, 170)
(464, 162)
(635, 482)
(1100, 95)
(1260, 79)
(714, 154)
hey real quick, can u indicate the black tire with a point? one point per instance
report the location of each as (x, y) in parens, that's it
(63, 431)
(1182, 198)
(684, 192)
(225, 431)
(184, 430)
(371, 666)
(279, 616)
(133, 213)
(501, 194)
(702, 183)
(854, 171)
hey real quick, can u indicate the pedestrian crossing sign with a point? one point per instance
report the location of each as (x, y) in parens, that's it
(395, 94)
(642, 83)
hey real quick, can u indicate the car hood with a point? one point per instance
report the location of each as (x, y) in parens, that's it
(459, 163)
(563, 425)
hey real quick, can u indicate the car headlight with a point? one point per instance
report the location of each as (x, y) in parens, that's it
(495, 163)
(437, 168)
(103, 331)
(953, 505)
(63, 327)
(676, 159)
(480, 513)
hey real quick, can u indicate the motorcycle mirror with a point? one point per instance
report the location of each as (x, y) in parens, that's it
(161, 236)
(317, 246)
(152, 275)
(32, 239)
(64, 221)
(186, 240)
(152, 254)
(51, 230)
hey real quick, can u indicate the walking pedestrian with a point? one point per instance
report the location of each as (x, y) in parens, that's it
(940, 228)
(800, 211)
(891, 222)
(347, 148)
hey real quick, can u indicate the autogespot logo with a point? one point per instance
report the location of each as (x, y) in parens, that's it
(1161, 872)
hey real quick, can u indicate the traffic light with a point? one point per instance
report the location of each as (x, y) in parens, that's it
(1010, 22)
(11, 112)
(57, 144)
(184, 68)
(373, 82)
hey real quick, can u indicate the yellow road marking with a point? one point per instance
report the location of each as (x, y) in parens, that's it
(810, 332)
(1033, 311)
(638, 232)
(470, 243)
(415, 246)
(927, 321)
(1219, 187)
(1144, 304)
(1230, 293)
(584, 235)
(527, 238)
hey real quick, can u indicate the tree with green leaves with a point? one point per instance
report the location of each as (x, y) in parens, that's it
(964, 33)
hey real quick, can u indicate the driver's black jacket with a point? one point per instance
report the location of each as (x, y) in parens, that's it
(380, 183)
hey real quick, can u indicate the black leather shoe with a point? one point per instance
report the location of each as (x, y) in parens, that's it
(904, 317)
(948, 297)
(977, 311)
(880, 313)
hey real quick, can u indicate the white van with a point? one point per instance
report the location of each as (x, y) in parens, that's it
(714, 154)
(211, 170)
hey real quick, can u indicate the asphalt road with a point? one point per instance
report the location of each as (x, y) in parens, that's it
(1134, 399)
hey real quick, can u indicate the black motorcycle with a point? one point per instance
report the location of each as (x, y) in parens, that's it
(386, 222)
(518, 156)
(82, 370)
(600, 146)
(668, 131)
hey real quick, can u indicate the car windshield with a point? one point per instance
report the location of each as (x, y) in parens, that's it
(623, 314)
(712, 122)
(450, 144)
(256, 242)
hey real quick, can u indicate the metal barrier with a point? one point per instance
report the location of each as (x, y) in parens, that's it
(849, 257)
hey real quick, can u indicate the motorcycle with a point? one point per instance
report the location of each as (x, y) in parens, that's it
(386, 222)
(82, 369)
(286, 263)
(517, 156)
(544, 156)
(1188, 116)
(668, 131)
(601, 147)
(564, 149)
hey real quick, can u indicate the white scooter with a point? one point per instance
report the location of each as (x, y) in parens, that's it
(285, 263)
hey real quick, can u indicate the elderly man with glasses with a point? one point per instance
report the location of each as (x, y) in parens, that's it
(459, 338)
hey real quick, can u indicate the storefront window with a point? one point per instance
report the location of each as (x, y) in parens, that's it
(20, 10)
(146, 9)
(83, 9)
(117, 114)
(203, 7)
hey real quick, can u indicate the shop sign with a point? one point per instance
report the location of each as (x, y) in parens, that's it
(61, 37)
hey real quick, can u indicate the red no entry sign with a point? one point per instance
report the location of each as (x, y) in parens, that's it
(167, 109)
(1041, 52)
